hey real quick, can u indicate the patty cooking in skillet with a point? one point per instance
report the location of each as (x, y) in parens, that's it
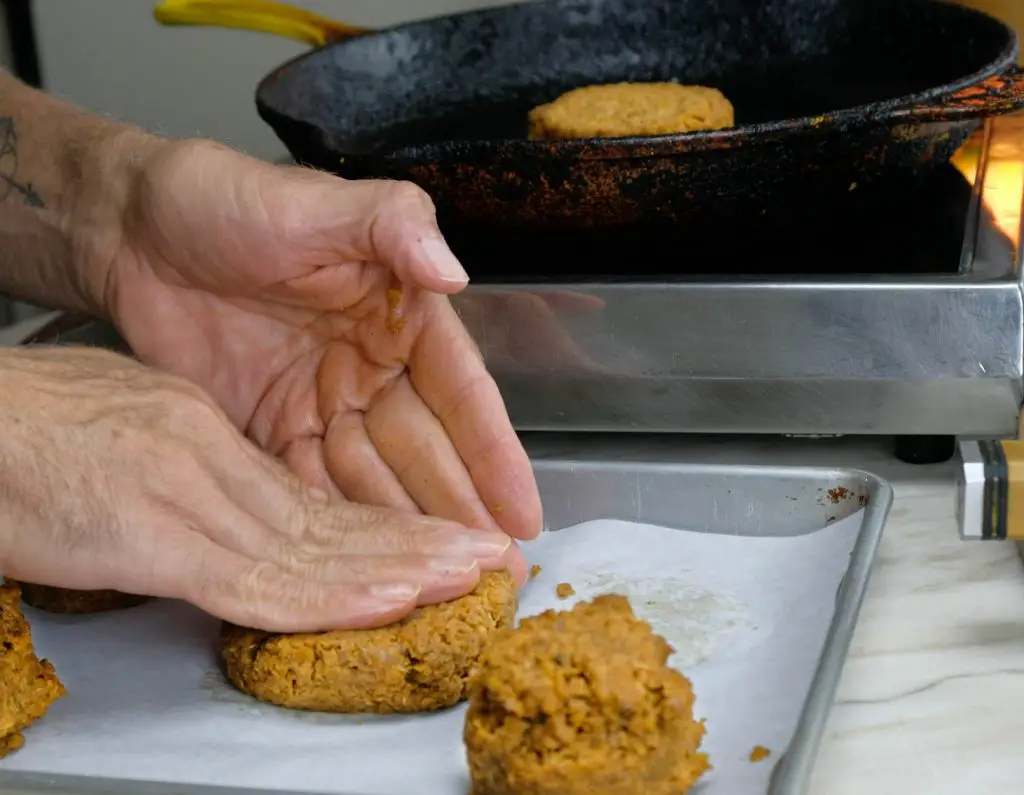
(620, 110)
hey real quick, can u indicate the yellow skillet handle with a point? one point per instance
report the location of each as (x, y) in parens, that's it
(262, 16)
(1013, 451)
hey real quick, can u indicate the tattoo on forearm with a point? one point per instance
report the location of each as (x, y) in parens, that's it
(9, 183)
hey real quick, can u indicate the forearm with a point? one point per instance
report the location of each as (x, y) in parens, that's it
(65, 176)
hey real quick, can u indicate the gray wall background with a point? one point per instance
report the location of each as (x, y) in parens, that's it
(111, 56)
(185, 81)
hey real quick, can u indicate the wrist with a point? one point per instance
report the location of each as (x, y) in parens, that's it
(100, 206)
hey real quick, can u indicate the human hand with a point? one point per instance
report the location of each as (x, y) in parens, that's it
(119, 476)
(314, 310)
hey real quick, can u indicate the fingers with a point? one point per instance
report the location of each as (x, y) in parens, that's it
(260, 595)
(451, 380)
(305, 458)
(438, 578)
(361, 530)
(358, 469)
(384, 221)
(339, 566)
(334, 554)
(415, 445)
(262, 488)
(515, 565)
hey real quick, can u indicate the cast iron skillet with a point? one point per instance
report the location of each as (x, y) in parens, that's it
(829, 94)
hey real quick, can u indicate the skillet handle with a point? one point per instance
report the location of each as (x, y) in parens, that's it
(995, 96)
(263, 16)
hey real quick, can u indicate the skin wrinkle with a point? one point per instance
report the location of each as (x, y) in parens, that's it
(305, 457)
(278, 396)
(234, 527)
(365, 384)
(355, 463)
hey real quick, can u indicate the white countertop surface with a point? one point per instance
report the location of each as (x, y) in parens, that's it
(932, 697)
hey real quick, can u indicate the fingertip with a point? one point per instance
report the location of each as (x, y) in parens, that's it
(526, 524)
(403, 235)
(437, 268)
(515, 565)
(527, 532)
(519, 516)
(457, 579)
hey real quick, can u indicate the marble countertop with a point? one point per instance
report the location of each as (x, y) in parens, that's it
(932, 697)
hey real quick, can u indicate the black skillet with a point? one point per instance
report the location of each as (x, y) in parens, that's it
(829, 95)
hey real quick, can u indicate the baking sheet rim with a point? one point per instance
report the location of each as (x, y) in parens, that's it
(792, 772)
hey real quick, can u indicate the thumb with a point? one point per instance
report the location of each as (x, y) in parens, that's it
(391, 223)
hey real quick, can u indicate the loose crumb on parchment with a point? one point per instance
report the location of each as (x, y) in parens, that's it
(759, 753)
(535, 569)
(564, 590)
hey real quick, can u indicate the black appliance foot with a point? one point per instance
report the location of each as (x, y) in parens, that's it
(924, 449)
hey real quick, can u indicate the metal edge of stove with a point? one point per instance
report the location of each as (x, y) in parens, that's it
(972, 512)
(797, 357)
(803, 356)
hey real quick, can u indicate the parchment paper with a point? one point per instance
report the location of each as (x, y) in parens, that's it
(748, 617)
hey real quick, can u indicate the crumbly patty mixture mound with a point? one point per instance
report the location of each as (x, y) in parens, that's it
(28, 685)
(582, 701)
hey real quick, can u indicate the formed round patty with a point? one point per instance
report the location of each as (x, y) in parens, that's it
(70, 602)
(419, 664)
(621, 110)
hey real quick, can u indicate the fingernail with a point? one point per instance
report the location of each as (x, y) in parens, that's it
(444, 262)
(395, 591)
(480, 544)
(449, 566)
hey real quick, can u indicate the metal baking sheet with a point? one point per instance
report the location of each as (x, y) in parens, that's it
(662, 483)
